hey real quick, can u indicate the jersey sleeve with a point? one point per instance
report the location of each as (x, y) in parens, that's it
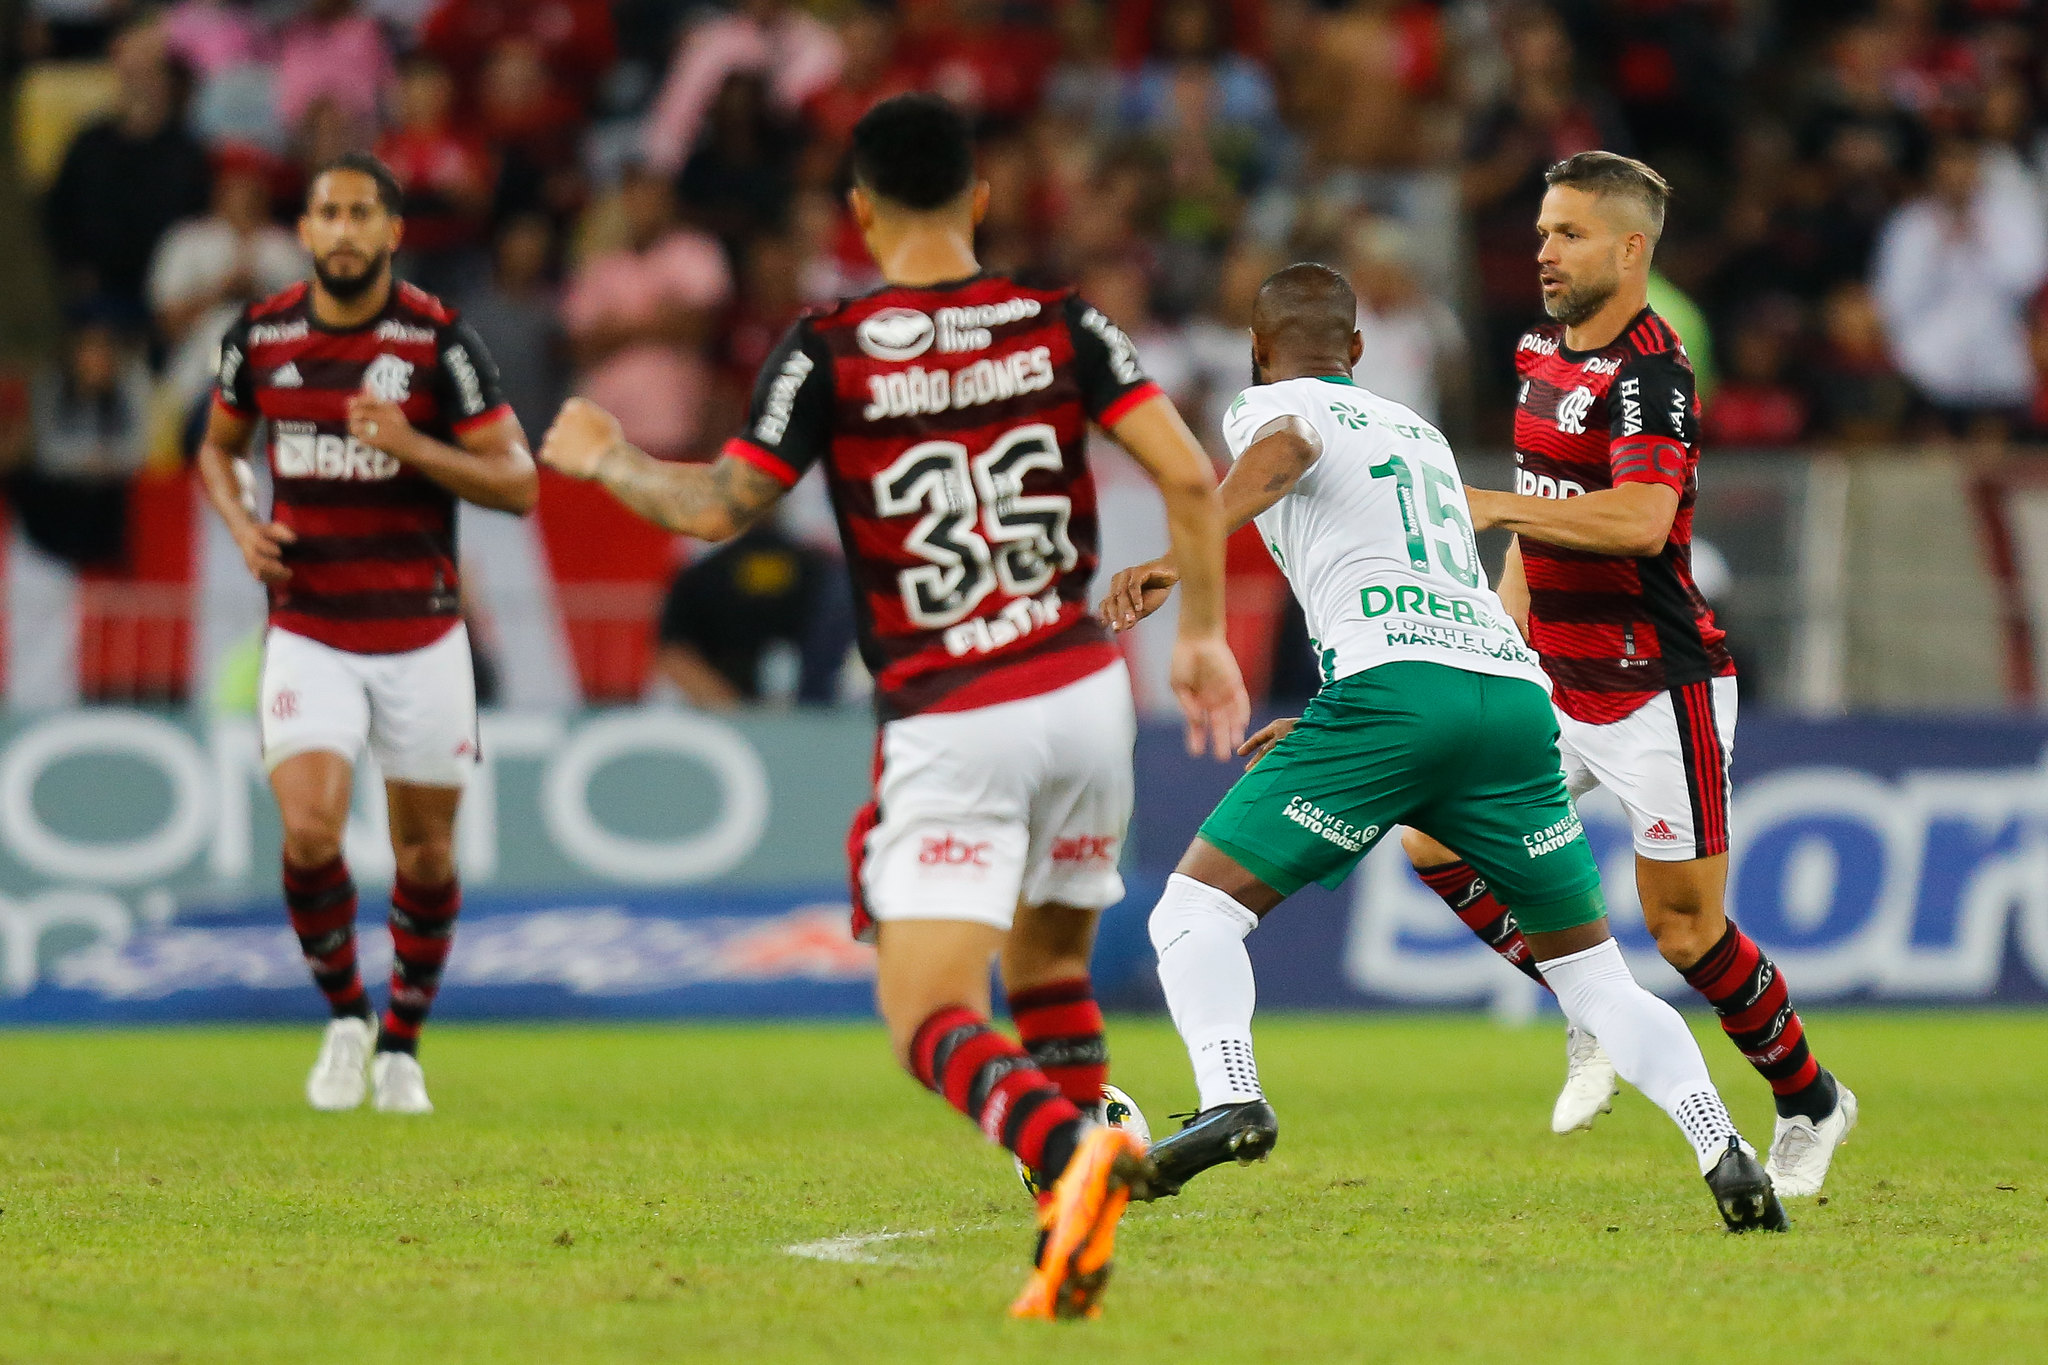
(234, 386)
(470, 394)
(1106, 361)
(789, 421)
(1652, 422)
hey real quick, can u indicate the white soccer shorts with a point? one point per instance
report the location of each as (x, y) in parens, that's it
(415, 711)
(1024, 802)
(1667, 762)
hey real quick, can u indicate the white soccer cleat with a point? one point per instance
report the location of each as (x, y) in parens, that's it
(1589, 1083)
(336, 1080)
(1801, 1150)
(400, 1084)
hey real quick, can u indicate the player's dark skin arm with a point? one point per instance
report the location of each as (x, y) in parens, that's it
(491, 467)
(1267, 472)
(711, 502)
(1634, 519)
(262, 544)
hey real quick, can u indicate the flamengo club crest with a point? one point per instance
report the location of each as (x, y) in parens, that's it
(389, 378)
(1572, 410)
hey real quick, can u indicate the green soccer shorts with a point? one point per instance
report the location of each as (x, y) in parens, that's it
(1468, 758)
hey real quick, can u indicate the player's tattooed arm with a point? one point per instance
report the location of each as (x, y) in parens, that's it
(711, 502)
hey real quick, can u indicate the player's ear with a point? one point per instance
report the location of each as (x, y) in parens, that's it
(863, 209)
(397, 232)
(306, 232)
(1357, 346)
(978, 209)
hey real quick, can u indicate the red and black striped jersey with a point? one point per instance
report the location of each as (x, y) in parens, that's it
(373, 568)
(1612, 630)
(951, 422)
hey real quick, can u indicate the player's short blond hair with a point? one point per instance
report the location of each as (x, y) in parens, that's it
(1610, 173)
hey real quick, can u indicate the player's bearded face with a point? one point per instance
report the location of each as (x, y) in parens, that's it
(1571, 297)
(347, 272)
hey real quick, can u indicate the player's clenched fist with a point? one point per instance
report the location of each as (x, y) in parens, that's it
(262, 546)
(1135, 593)
(577, 441)
(379, 423)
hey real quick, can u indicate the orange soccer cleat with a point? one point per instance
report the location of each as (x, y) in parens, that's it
(1080, 1226)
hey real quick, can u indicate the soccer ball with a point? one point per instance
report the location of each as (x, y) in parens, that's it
(1118, 1110)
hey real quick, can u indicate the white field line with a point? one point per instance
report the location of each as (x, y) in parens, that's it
(851, 1248)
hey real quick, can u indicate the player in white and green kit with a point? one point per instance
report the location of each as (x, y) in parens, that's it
(1432, 714)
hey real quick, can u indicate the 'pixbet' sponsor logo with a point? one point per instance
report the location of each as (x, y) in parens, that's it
(950, 850)
(1605, 364)
(1541, 345)
(895, 334)
(1533, 485)
(270, 333)
(1631, 406)
(782, 397)
(1083, 849)
(1324, 825)
(970, 328)
(919, 392)
(394, 330)
(1572, 410)
(303, 455)
(985, 634)
(1551, 838)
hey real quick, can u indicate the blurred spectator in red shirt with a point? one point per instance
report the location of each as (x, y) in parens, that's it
(1859, 395)
(574, 40)
(332, 54)
(966, 51)
(799, 55)
(1755, 404)
(639, 317)
(537, 131)
(447, 174)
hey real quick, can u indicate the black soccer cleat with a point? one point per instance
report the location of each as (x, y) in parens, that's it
(1243, 1133)
(1743, 1192)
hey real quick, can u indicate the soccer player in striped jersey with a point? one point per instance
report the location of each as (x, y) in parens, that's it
(1600, 578)
(949, 412)
(381, 410)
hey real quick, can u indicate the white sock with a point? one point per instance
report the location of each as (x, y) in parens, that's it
(1651, 1046)
(1199, 934)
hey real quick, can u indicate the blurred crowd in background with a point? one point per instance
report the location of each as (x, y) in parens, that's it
(632, 199)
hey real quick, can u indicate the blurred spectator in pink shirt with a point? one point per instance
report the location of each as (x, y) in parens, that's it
(211, 36)
(332, 54)
(639, 316)
(799, 55)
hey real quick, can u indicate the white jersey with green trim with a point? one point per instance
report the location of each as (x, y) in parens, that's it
(1376, 539)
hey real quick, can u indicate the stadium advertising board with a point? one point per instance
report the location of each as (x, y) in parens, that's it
(654, 863)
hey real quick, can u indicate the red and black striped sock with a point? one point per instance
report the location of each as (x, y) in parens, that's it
(1461, 887)
(1060, 1025)
(422, 931)
(322, 904)
(990, 1079)
(1748, 991)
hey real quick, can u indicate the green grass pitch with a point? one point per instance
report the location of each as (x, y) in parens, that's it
(632, 1194)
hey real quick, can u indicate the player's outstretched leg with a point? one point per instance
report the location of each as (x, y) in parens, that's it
(1656, 1053)
(1589, 1080)
(1199, 932)
(1682, 904)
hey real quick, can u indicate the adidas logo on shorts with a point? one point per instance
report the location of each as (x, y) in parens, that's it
(1661, 832)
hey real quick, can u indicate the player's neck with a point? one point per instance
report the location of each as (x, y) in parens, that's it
(1599, 331)
(919, 259)
(329, 311)
(1305, 367)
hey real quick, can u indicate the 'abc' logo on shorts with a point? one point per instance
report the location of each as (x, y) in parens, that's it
(950, 850)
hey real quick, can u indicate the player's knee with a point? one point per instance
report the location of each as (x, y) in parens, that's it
(427, 862)
(310, 839)
(1684, 933)
(1424, 851)
(1193, 905)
